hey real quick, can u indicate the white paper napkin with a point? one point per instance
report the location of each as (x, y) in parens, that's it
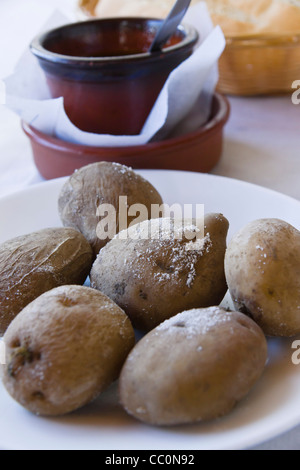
(183, 105)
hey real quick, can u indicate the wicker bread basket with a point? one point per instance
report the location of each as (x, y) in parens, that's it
(260, 64)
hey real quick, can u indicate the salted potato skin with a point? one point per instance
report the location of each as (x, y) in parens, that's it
(102, 183)
(37, 262)
(262, 266)
(154, 279)
(64, 349)
(193, 367)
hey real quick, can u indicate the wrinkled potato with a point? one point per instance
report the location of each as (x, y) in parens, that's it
(35, 263)
(263, 274)
(152, 276)
(99, 184)
(193, 367)
(64, 349)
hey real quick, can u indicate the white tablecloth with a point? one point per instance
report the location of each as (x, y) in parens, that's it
(262, 138)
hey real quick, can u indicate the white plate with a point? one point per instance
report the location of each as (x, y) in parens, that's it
(271, 408)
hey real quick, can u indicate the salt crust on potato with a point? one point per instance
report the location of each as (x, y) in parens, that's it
(153, 276)
(98, 184)
(37, 262)
(193, 367)
(263, 274)
(64, 349)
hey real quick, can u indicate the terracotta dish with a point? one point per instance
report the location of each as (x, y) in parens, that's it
(103, 69)
(198, 151)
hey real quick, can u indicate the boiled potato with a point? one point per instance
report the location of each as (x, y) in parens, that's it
(153, 276)
(101, 184)
(263, 274)
(193, 367)
(64, 349)
(35, 263)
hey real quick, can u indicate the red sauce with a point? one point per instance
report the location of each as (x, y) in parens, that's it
(106, 42)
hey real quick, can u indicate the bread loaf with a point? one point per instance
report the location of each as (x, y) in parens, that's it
(236, 17)
(149, 8)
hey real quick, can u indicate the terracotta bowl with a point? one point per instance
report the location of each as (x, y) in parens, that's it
(198, 151)
(105, 73)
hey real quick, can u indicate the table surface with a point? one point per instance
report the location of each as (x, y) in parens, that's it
(262, 137)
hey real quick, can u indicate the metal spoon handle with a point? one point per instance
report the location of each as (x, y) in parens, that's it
(170, 24)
